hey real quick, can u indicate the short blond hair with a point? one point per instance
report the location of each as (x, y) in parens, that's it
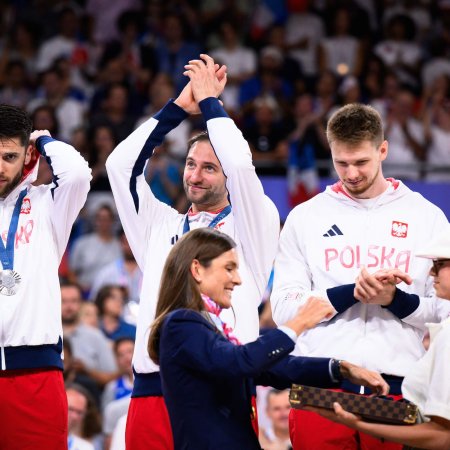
(355, 123)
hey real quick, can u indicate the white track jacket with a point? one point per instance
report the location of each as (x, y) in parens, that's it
(152, 227)
(30, 320)
(324, 244)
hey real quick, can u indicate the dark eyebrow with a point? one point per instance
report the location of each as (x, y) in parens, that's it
(204, 163)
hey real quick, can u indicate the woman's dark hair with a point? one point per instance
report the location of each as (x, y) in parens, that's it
(178, 288)
(46, 108)
(104, 293)
(92, 422)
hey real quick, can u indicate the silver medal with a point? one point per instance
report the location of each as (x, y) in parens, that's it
(9, 282)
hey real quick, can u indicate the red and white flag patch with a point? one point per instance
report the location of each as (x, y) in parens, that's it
(399, 229)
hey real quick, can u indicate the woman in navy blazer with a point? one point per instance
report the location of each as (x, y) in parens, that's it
(207, 379)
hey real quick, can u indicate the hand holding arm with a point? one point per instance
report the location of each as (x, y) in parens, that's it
(359, 375)
(310, 314)
(379, 288)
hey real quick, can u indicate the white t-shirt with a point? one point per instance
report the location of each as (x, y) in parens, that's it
(428, 382)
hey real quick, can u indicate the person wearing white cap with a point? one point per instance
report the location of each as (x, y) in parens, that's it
(428, 382)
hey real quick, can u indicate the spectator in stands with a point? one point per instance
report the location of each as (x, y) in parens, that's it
(123, 384)
(116, 111)
(15, 86)
(124, 272)
(64, 43)
(164, 176)
(103, 140)
(104, 15)
(92, 352)
(437, 131)
(399, 52)
(438, 64)
(276, 437)
(89, 314)
(161, 90)
(241, 63)
(84, 419)
(268, 81)
(112, 414)
(341, 52)
(93, 251)
(44, 118)
(138, 56)
(304, 31)
(110, 301)
(407, 141)
(72, 375)
(174, 50)
(390, 89)
(325, 94)
(70, 112)
(22, 45)
(291, 69)
(267, 134)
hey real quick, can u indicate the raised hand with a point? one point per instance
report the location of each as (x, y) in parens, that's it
(186, 98)
(310, 314)
(378, 288)
(38, 133)
(204, 81)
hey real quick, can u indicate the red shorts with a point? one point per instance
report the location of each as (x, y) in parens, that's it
(148, 425)
(33, 410)
(309, 431)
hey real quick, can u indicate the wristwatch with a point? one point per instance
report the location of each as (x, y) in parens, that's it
(335, 367)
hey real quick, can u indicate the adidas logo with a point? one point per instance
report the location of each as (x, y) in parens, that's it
(333, 231)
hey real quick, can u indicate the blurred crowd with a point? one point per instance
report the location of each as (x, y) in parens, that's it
(91, 71)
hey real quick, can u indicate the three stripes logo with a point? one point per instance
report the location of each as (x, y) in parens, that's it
(333, 231)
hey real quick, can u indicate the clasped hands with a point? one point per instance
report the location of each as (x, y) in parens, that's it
(207, 79)
(379, 288)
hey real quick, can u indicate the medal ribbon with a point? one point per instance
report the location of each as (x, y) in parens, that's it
(7, 253)
(225, 211)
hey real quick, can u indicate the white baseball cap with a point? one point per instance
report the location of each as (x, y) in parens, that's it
(438, 247)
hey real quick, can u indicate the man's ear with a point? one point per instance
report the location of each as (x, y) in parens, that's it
(384, 150)
(196, 270)
(28, 154)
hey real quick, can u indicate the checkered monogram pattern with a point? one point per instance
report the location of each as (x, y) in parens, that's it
(375, 409)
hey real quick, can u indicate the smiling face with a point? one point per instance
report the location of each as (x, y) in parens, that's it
(359, 167)
(13, 158)
(203, 179)
(218, 280)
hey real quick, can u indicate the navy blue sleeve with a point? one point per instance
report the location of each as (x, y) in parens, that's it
(211, 108)
(41, 141)
(187, 336)
(297, 369)
(341, 297)
(403, 304)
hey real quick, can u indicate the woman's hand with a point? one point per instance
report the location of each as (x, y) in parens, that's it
(365, 377)
(310, 314)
